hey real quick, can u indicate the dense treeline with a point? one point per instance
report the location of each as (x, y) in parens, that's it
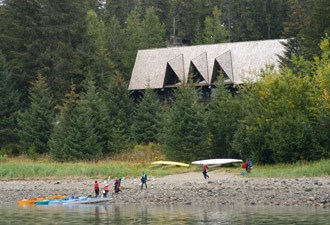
(65, 66)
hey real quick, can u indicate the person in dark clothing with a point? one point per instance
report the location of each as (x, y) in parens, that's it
(248, 165)
(117, 185)
(205, 170)
(143, 180)
(96, 189)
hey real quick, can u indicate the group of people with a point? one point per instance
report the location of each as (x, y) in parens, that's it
(106, 187)
(144, 178)
(117, 184)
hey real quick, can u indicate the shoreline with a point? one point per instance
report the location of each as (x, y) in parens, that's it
(189, 188)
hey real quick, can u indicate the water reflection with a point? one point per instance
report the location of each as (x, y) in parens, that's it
(166, 214)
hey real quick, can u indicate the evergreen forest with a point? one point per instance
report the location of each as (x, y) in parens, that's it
(65, 68)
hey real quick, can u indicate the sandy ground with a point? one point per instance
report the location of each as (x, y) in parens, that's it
(188, 188)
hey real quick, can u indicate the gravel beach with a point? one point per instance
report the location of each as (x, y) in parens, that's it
(189, 188)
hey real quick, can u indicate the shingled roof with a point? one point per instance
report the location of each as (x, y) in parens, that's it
(168, 67)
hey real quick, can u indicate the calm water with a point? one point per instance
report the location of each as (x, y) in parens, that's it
(182, 214)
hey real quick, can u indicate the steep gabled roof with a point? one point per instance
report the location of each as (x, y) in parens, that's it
(240, 61)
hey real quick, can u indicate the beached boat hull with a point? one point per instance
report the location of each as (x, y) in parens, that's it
(169, 163)
(34, 200)
(80, 200)
(216, 161)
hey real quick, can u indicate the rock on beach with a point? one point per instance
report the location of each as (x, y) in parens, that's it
(189, 188)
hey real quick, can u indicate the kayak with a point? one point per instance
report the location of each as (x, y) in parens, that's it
(90, 200)
(34, 200)
(65, 200)
(80, 200)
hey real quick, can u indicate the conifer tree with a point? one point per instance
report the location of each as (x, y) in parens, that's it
(93, 108)
(115, 37)
(214, 29)
(184, 135)
(9, 105)
(147, 118)
(35, 123)
(59, 140)
(63, 30)
(75, 137)
(119, 110)
(99, 63)
(153, 31)
(223, 115)
(19, 42)
(133, 34)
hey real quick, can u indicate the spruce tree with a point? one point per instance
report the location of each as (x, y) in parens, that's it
(153, 31)
(9, 105)
(132, 40)
(147, 118)
(20, 37)
(119, 110)
(75, 135)
(222, 118)
(214, 31)
(93, 108)
(184, 132)
(97, 55)
(35, 123)
(59, 140)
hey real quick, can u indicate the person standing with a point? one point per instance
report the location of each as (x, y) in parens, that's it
(144, 180)
(117, 185)
(96, 189)
(106, 190)
(205, 170)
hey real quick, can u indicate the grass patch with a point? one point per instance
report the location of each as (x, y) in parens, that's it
(24, 168)
(44, 168)
(299, 169)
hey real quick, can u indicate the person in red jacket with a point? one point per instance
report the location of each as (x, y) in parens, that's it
(106, 190)
(205, 170)
(96, 189)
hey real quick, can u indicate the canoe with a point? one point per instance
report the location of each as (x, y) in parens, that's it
(34, 200)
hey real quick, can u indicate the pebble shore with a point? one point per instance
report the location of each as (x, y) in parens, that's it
(189, 188)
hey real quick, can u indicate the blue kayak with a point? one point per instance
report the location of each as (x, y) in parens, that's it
(80, 200)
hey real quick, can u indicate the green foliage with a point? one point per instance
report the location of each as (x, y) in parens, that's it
(99, 63)
(224, 113)
(321, 111)
(146, 118)
(183, 135)
(35, 124)
(31, 152)
(143, 154)
(283, 120)
(141, 32)
(79, 42)
(153, 31)
(9, 104)
(119, 118)
(214, 30)
(115, 37)
(20, 41)
(59, 139)
(75, 137)
(298, 169)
